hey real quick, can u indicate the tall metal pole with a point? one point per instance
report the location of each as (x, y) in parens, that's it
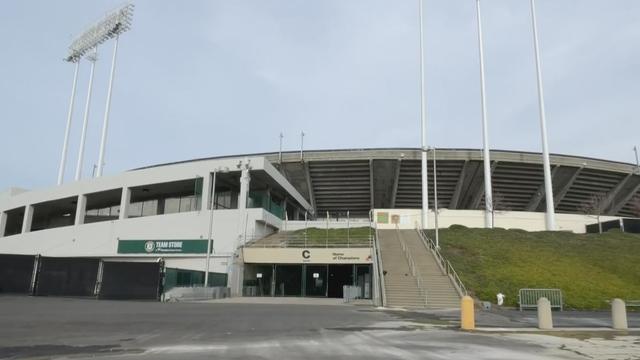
(550, 215)
(635, 149)
(105, 123)
(93, 58)
(301, 145)
(488, 196)
(435, 198)
(210, 234)
(280, 152)
(65, 145)
(423, 130)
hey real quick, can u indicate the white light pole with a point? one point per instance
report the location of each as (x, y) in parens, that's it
(210, 234)
(280, 152)
(550, 215)
(435, 198)
(301, 145)
(105, 123)
(65, 145)
(83, 136)
(488, 196)
(635, 149)
(423, 129)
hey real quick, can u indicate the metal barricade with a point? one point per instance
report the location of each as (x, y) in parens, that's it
(528, 298)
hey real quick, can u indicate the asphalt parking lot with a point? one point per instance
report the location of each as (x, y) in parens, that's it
(39, 327)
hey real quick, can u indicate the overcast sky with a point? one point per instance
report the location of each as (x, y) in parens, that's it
(225, 77)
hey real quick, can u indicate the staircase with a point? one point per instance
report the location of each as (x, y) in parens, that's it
(401, 287)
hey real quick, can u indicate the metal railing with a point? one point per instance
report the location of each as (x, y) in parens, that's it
(528, 298)
(444, 264)
(379, 269)
(303, 240)
(412, 266)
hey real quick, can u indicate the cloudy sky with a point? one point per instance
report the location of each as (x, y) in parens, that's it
(225, 77)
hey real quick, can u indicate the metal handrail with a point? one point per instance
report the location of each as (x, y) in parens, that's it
(444, 264)
(412, 266)
(379, 267)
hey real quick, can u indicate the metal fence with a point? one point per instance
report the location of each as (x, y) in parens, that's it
(528, 298)
(350, 293)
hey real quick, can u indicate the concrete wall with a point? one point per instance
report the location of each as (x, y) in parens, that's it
(530, 221)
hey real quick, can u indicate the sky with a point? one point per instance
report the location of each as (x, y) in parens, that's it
(209, 78)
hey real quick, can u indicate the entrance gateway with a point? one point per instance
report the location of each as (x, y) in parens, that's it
(314, 272)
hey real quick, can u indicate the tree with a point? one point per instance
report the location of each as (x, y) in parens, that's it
(593, 206)
(498, 204)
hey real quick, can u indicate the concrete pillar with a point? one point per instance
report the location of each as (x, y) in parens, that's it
(81, 209)
(206, 192)
(125, 201)
(28, 219)
(545, 320)
(236, 276)
(3, 223)
(467, 313)
(619, 314)
(245, 180)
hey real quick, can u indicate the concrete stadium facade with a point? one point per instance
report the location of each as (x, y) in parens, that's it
(168, 212)
(358, 180)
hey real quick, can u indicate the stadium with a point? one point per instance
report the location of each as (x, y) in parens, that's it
(275, 220)
(345, 223)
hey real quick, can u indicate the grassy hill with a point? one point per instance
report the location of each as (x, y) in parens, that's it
(588, 268)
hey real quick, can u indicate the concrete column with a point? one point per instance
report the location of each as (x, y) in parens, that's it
(245, 180)
(467, 313)
(125, 201)
(3, 223)
(619, 314)
(81, 209)
(28, 219)
(545, 320)
(206, 192)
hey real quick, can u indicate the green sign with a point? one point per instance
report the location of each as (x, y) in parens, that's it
(162, 246)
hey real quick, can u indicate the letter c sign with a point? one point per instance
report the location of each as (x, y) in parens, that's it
(306, 254)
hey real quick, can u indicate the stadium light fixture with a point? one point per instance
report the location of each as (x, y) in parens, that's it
(548, 188)
(423, 128)
(111, 26)
(488, 195)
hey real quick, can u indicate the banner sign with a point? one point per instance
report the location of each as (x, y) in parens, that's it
(162, 246)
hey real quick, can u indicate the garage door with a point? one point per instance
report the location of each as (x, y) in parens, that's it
(67, 276)
(130, 280)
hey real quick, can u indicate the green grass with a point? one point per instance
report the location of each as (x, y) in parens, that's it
(359, 235)
(588, 268)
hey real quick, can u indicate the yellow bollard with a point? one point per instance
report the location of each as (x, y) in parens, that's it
(467, 314)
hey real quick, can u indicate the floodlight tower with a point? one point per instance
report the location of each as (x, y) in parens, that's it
(488, 195)
(65, 145)
(120, 22)
(111, 26)
(550, 218)
(85, 122)
(423, 130)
